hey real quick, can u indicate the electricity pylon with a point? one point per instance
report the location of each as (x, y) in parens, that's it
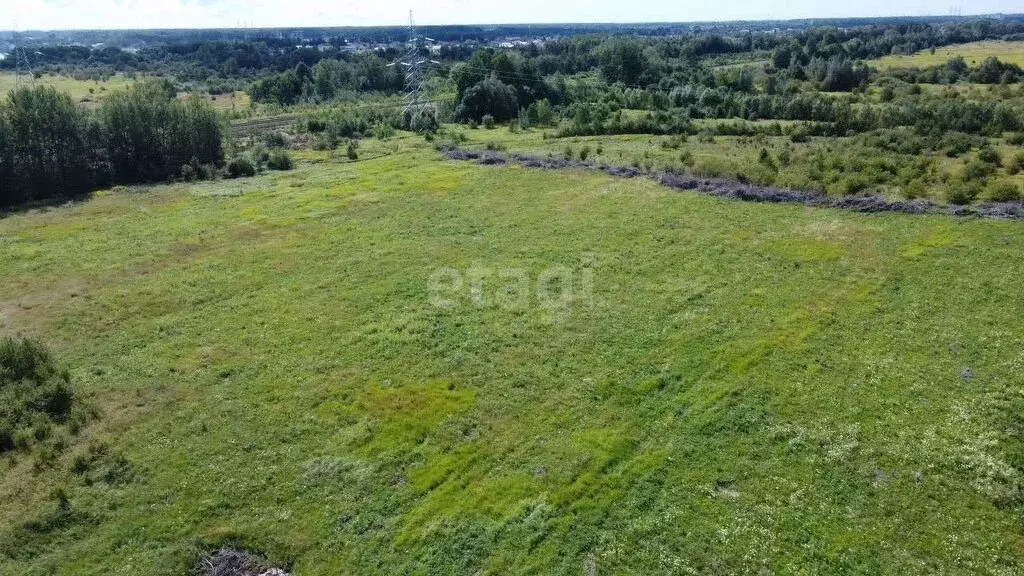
(22, 66)
(415, 68)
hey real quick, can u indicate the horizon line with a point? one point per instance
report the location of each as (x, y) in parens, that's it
(497, 24)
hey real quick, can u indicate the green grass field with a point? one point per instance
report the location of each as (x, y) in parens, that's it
(731, 388)
(973, 53)
(78, 89)
(720, 156)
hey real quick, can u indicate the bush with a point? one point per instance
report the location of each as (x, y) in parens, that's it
(280, 160)
(323, 142)
(350, 151)
(383, 131)
(259, 156)
(956, 143)
(1003, 192)
(275, 140)
(241, 167)
(1015, 164)
(1015, 138)
(710, 168)
(852, 185)
(34, 394)
(990, 156)
(963, 193)
(423, 120)
(188, 173)
(915, 189)
(488, 121)
(976, 170)
(686, 158)
(785, 157)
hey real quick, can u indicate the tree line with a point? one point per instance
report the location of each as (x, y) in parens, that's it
(50, 148)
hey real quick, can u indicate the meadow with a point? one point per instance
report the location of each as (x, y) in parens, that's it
(92, 92)
(788, 164)
(80, 90)
(974, 53)
(730, 387)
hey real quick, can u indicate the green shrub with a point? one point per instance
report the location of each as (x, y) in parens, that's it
(188, 173)
(976, 170)
(852, 185)
(1015, 164)
(241, 167)
(1015, 138)
(383, 131)
(260, 155)
(915, 189)
(785, 157)
(686, 158)
(275, 140)
(280, 160)
(963, 193)
(710, 168)
(799, 135)
(990, 156)
(323, 142)
(350, 151)
(34, 394)
(1003, 192)
(584, 153)
(487, 121)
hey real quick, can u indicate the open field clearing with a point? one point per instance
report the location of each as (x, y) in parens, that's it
(231, 102)
(92, 90)
(973, 53)
(624, 379)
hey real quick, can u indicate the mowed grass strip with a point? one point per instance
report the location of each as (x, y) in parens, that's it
(749, 388)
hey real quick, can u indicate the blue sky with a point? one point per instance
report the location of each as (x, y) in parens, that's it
(64, 14)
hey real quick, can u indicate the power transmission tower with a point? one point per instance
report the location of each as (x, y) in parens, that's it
(415, 67)
(22, 66)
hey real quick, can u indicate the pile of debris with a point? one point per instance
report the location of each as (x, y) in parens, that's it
(232, 562)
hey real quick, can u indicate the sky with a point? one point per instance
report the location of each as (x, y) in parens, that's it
(107, 14)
